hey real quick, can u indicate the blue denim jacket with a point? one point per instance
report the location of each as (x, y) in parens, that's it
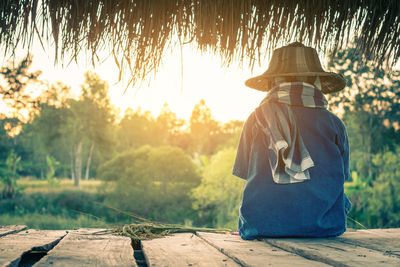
(314, 208)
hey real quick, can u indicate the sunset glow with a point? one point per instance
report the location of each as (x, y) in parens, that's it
(221, 87)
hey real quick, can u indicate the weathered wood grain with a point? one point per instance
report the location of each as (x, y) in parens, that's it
(183, 250)
(255, 253)
(12, 247)
(384, 240)
(11, 229)
(90, 247)
(334, 252)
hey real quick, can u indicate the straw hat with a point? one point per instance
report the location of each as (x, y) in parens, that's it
(296, 60)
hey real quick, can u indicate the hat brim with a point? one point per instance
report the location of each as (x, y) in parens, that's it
(330, 82)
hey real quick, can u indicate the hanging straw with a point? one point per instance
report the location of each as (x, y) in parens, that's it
(137, 32)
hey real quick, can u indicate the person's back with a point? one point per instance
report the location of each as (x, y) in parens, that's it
(294, 154)
(313, 208)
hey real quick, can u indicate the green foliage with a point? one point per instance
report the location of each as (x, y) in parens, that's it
(376, 204)
(218, 197)
(371, 108)
(384, 204)
(51, 170)
(122, 166)
(9, 176)
(56, 209)
(207, 135)
(6, 141)
(153, 182)
(203, 129)
(137, 129)
(66, 203)
(90, 126)
(44, 221)
(44, 136)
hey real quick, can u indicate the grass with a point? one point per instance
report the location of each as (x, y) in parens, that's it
(29, 185)
(58, 205)
(41, 204)
(49, 222)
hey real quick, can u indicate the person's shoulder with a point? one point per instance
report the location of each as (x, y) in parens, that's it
(248, 124)
(336, 121)
(250, 119)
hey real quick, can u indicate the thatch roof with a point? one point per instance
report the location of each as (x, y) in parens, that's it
(137, 32)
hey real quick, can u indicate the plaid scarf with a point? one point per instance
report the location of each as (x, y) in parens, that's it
(292, 161)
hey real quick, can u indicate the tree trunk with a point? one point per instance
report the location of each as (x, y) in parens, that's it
(89, 161)
(78, 164)
(72, 165)
(369, 148)
(14, 170)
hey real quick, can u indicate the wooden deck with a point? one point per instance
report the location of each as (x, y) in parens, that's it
(20, 246)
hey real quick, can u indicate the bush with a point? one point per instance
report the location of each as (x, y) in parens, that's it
(218, 197)
(153, 182)
(377, 205)
(67, 204)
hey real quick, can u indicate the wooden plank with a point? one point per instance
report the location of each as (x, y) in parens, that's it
(334, 252)
(383, 232)
(255, 253)
(384, 240)
(183, 250)
(12, 247)
(11, 229)
(90, 247)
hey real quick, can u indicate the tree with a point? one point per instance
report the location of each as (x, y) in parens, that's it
(218, 196)
(13, 90)
(8, 175)
(6, 141)
(19, 106)
(371, 108)
(154, 182)
(44, 135)
(376, 205)
(203, 129)
(138, 128)
(174, 130)
(90, 125)
(57, 95)
(384, 204)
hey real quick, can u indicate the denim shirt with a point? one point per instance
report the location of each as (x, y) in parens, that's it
(314, 208)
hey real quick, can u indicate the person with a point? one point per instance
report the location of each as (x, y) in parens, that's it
(293, 152)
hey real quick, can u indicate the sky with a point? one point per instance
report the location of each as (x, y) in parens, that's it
(204, 77)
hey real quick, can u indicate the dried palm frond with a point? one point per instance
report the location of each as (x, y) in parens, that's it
(145, 229)
(151, 230)
(137, 32)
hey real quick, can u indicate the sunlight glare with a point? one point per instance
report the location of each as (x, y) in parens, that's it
(204, 77)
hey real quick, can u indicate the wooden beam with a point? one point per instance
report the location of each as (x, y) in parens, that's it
(255, 253)
(15, 245)
(11, 229)
(182, 250)
(334, 252)
(91, 247)
(384, 240)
